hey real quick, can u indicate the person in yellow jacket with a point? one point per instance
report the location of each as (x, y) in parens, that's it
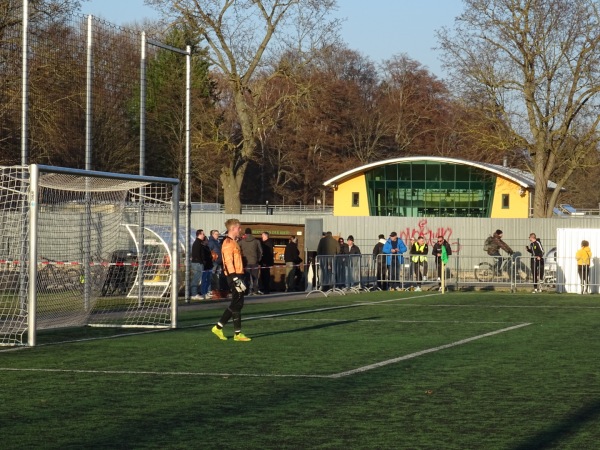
(233, 268)
(418, 255)
(584, 257)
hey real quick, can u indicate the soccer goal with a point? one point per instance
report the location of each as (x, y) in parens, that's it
(86, 248)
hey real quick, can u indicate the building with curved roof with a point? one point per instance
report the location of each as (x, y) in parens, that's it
(429, 186)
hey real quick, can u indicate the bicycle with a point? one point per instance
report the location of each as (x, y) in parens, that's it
(486, 272)
(52, 278)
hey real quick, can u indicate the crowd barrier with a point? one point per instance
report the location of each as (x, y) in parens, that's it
(342, 274)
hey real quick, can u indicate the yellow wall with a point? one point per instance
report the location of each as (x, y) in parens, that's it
(342, 197)
(519, 204)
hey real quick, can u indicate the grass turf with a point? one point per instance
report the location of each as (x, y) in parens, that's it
(532, 387)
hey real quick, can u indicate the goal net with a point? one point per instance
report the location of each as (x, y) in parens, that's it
(86, 248)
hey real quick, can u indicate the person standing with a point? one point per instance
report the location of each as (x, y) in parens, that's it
(419, 251)
(394, 248)
(352, 263)
(380, 264)
(291, 256)
(536, 251)
(326, 250)
(207, 266)
(215, 247)
(251, 255)
(266, 262)
(437, 251)
(584, 258)
(234, 271)
(197, 266)
(492, 246)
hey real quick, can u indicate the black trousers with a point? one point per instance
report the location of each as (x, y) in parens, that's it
(537, 269)
(265, 279)
(234, 310)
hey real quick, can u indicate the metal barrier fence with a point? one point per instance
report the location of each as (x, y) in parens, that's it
(343, 274)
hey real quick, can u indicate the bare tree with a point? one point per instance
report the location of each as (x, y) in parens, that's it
(241, 35)
(534, 64)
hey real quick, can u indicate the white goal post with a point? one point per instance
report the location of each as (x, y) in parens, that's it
(82, 247)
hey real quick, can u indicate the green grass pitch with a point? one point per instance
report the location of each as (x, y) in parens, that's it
(477, 370)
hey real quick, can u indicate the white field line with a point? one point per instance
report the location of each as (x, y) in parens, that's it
(424, 352)
(310, 311)
(445, 305)
(202, 325)
(157, 373)
(384, 321)
(263, 375)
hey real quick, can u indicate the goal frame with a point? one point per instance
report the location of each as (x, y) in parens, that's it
(33, 211)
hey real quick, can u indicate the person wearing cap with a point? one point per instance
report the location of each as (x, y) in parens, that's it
(418, 251)
(394, 248)
(493, 244)
(380, 265)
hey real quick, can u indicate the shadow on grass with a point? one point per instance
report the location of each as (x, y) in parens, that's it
(551, 437)
(312, 327)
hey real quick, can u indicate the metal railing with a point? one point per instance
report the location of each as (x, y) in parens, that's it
(342, 274)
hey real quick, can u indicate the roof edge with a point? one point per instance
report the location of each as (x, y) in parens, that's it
(521, 181)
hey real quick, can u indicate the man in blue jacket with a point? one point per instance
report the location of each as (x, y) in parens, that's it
(394, 248)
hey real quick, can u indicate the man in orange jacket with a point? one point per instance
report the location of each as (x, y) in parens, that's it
(233, 268)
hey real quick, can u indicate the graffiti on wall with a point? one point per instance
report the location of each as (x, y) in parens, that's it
(409, 234)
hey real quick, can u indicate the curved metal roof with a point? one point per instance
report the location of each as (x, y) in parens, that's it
(520, 177)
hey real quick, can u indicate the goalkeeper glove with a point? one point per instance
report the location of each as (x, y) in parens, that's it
(239, 284)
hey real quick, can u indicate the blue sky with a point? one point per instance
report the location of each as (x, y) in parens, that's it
(376, 28)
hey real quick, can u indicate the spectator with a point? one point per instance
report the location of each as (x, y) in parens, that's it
(352, 265)
(292, 260)
(492, 246)
(536, 251)
(584, 258)
(419, 251)
(266, 262)
(437, 253)
(207, 264)
(214, 244)
(326, 250)
(380, 263)
(197, 265)
(251, 255)
(394, 248)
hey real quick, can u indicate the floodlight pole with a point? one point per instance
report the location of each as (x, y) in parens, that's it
(188, 163)
(87, 278)
(142, 169)
(25, 86)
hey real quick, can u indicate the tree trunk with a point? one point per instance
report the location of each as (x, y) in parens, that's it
(232, 185)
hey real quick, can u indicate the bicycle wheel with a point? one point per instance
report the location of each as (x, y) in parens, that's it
(484, 272)
(523, 272)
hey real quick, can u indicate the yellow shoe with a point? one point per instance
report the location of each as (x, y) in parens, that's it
(219, 333)
(241, 338)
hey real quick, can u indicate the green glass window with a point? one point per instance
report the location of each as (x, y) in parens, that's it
(427, 189)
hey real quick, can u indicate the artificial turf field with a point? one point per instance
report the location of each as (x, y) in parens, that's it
(477, 370)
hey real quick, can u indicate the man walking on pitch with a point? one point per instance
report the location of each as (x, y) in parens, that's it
(234, 271)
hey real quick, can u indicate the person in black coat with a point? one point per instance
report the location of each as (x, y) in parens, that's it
(266, 262)
(291, 256)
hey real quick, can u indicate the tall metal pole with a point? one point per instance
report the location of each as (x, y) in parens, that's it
(24, 86)
(87, 245)
(141, 219)
(32, 260)
(175, 256)
(188, 183)
(88, 95)
(143, 105)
